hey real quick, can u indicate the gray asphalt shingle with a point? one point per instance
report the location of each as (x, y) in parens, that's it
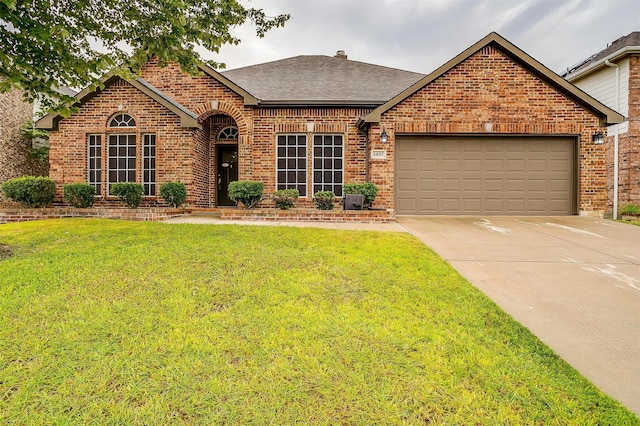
(317, 79)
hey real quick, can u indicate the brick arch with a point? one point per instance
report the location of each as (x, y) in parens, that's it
(207, 109)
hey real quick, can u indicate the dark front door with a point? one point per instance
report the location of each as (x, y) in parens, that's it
(227, 168)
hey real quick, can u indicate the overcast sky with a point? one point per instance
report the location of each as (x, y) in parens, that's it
(421, 35)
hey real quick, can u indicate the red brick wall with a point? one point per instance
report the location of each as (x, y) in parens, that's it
(174, 152)
(629, 144)
(270, 122)
(491, 88)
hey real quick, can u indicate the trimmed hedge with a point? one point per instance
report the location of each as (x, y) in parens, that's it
(130, 193)
(368, 190)
(173, 193)
(30, 191)
(324, 200)
(285, 198)
(247, 192)
(79, 195)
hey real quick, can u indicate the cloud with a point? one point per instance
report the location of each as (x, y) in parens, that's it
(420, 35)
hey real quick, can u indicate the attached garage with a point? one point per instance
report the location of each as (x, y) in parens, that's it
(486, 175)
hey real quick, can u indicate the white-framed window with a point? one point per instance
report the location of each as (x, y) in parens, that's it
(228, 134)
(122, 158)
(94, 162)
(328, 163)
(149, 164)
(122, 120)
(291, 158)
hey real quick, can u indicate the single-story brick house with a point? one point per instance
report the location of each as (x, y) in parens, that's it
(492, 131)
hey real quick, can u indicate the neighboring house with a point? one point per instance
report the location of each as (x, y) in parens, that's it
(613, 77)
(15, 160)
(492, 131)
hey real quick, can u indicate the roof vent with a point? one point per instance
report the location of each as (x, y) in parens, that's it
(340, 54)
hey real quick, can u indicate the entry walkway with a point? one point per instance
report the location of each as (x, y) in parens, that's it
(573, 281)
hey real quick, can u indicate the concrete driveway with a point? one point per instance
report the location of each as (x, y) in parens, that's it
(573, 281)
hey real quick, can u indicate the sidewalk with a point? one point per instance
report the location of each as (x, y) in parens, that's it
(344, 226)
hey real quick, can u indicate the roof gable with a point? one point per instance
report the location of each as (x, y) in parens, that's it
(248, 98)
(606, 114)
(322, 80)
(187, 118)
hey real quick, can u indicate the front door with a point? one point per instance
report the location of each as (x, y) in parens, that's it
(227, 168)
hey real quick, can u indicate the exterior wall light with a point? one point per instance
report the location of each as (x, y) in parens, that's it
(383, 136)
(597, 138)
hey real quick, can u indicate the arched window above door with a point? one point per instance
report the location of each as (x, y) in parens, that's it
(228, 134)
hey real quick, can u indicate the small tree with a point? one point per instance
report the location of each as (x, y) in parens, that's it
(247, 192)
(130, 193)
(30, 191)
(79, 195)
(173, 193)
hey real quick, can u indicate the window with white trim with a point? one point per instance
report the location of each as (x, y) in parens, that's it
(94, 162)
(291, 158)
(149, 164)
(228, 134)
(328, 163)
(122, 158)
(122, 120)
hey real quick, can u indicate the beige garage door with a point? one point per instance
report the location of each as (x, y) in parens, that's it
(481, 175)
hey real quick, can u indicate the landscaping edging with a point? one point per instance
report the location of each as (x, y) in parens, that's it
(8, 215)
(17, 214)
(309, 215)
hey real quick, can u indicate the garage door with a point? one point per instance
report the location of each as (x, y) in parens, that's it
(481, 175)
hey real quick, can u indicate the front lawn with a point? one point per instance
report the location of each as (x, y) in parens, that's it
(112, 322)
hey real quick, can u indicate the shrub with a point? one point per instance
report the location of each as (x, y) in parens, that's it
(285, 198)
(173, 193)
(630, 209)
(247, 192)
(30, 191)
(367, 190)
(79, 195)
(130, 193)
(324, 200)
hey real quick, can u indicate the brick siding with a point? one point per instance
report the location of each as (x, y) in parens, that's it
(486, 88)
(629, 145)
(491, 94)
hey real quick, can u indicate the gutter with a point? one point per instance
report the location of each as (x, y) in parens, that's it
(627, 50)
(319, 103)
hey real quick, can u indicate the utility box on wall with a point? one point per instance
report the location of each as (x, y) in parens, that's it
(353, 202)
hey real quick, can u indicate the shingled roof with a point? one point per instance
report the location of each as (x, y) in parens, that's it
(631, 40)
(322, 80)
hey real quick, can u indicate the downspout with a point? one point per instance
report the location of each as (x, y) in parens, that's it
(365, 133)
(615, 141)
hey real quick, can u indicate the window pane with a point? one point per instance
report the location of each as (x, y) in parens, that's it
(291, 162)
(328, 162)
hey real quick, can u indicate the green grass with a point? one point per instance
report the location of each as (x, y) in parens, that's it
(112, 322)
